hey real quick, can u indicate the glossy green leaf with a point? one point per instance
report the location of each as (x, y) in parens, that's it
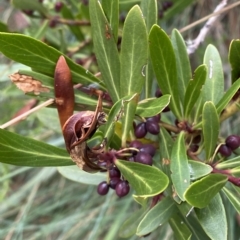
(75, 174)
(130, 107)
(143, 178)
(40, 57)
(184, 72)
(105, 49)
(23, 151)
(165, 144)
(194, 88)
(192, 222)
(201, 192)
(133, 55)
(164, 65)
(129, 227)
(150, 15)
(210, 125)
(234, 59)
(179, 227)
(233, 196)
(231, 163)
(198, 169)
(213, 219)
(152, 106)
(227, 97)
(158, 215)
(67, 14)
(30, 5)
(179, 166)
(213, 89)
(111, 10)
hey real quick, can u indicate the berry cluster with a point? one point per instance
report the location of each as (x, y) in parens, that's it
(151, 125)
(136, 152)
(232, 142)
(120, 186)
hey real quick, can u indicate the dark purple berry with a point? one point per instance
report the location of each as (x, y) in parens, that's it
(158, 93)
(103, 188)
(140, 130)
(148, 148)
(197, 139)
(154, 118)
(113, 182)
(114, 172)
(58, 6)
(135, 144)
(194, 148)
(233, 142)
(166, 109)
(143, 158)
(122, 188)
(225, 151)
(152, 127)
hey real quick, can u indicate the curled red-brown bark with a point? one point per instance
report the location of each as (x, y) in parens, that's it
(64, 93)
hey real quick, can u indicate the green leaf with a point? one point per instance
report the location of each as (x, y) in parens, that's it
(194, 88)
(150, 14)
(233, 197)
(184, 72)
(130, 107)
(198, 169)
(234, 58)
(133, 55)
(152, 106)
(143, 178)
(75, 174)
(210, 125)
(158, 215)
(105, 49)
(227, 97)
(23, 151)
(164, 65)
(201, 192)
(67, 14)
(111, 10)
(213, 219)
(40, 57)
(179, 166)
(129, 227)
(30, 5)
(231, 163)
(213, 89)
(3, 27)
(179, 227)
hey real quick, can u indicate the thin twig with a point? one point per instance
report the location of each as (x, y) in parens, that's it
(202, 34)
(24, 115)
(209, 16)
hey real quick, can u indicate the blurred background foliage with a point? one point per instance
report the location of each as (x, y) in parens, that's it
(38, 203)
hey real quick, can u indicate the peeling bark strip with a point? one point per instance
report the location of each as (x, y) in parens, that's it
(64, 93)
